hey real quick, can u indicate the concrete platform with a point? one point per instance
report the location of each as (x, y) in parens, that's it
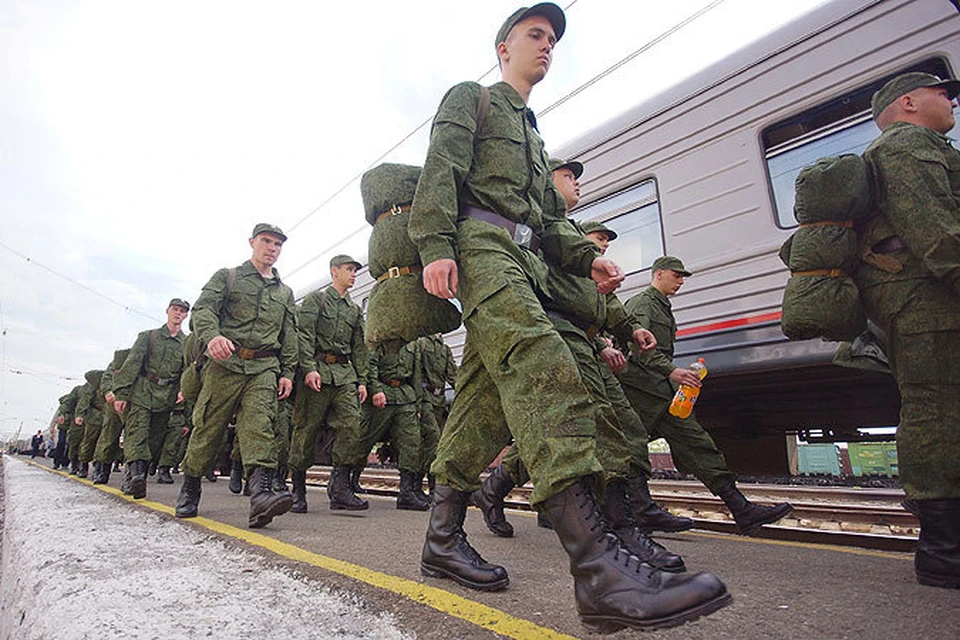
(780, 589)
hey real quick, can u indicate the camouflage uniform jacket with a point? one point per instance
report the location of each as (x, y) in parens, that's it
(89, 400)
(500, 168)
(332, 325)
(150, 376)
(106, 382)
(917, 174)
(439, 367)
(68, 405)
(396, 373)
(259, 314)
(651, 371)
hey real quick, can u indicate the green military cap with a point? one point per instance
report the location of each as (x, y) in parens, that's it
(342, 259)
(573, 165)
(180, 302)
(671, 263)
(593, 226)
(548, 10)
(906, 83)
(263, 227)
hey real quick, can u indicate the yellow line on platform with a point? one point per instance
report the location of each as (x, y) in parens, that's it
(451, 604)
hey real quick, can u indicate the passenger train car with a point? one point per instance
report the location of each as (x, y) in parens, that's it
(705, 172)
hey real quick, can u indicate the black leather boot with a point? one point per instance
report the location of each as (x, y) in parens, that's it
(189, 499)
(418, 487)
(265, 505)
(105, 472)
(211, 475)
(341, 497)
(446, 552)
(236, 477)
(489, 499)
(543, 521)
(118, 466)
(408, 499)
(280, 480)
(299, 478)
(97, 473)
(355, 472)
(617, 511)
(431, 483)
(127, 479)
(164, 476)
(74, 467)
(613, 588)
(84, 468)
(749, 516)
(152, 468)
(937, 560)
(648, 514)
(138, 479)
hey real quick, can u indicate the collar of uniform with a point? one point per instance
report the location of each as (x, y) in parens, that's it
(510, 94)
(247, 269)
(659, 296)
(165, 332)
(332, 291)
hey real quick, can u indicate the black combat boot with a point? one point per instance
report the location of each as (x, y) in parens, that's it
(341, 497)
(152, 468)
(408, 499)
(299, 479)
(355, 472)
(118, 466)
(446, 552)
(543, 521)
(105, 472)
(749, 516)
(138, 479)
(265, 505)
(189, 499)
(280, 480)
(937, 560)
(127, 478)
(236, 477)
(211, 475)
(164, 476)
(489, 499)
(617, 511)
(96, 473)
(418, 487)
(84, 468)
(74, 467)
(649, 515)
(431, 483)
(613, 588)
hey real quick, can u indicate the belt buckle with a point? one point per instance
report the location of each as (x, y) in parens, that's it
(523, 235)
(393, 272)
(395, 210)
(245, 354)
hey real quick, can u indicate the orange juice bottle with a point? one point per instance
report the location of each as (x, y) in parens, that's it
(686, 396)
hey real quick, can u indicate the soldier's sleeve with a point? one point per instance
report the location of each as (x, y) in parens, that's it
(450, 371)
(307, 331)
(433, 217)
(289, 339)
(106, 382)
(206, 313)
(126, 375)
(563, 245)
(417, 370)
(83, 400)
(653, 360)
(358, 351)
(920, 205)
(619, 322)
(373, 373)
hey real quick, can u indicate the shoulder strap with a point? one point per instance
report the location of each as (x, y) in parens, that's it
(483, 108)
(231, 279)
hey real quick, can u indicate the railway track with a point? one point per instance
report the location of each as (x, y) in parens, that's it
(842, 516)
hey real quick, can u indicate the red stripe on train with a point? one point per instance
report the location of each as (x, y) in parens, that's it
(729, 324)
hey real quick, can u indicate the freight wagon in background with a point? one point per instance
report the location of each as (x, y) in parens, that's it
(705, 171)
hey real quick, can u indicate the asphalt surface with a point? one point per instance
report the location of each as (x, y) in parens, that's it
(779, 589)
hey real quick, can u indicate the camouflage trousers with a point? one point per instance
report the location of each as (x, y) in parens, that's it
(431, 419)
(518, 380)
(91, 432)
(74, 439)
(337, 406)
(108, 444)
(223, 395)
(398, 424)
(283, 432)
(148, 436)
(692, 448)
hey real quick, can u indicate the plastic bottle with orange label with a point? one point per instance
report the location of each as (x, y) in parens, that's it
(686, 396)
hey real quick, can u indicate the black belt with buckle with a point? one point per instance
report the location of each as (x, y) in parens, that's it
(162, 382)
(251, 354)
(522, 234)
(590, 329)
(433, 390)
(888, 245)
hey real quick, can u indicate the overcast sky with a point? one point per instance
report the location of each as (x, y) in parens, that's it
(141, 141)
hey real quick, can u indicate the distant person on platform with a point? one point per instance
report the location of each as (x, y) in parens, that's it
(247, 318)
(36, 443)
(909, 284)
(650, 380)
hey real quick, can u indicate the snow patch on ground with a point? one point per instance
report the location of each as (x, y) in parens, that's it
(77, 564)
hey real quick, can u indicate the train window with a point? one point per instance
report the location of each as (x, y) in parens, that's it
(841, 125)
(634, 214)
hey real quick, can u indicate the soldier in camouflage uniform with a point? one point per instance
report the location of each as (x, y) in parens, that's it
(247, 318)
(478, 219)
(439, 369)
(331, 386)
(909, 285)
(650, 379)
(146, 388)
(64, 420)
(88, 420)
(394, 380)
(108, 444)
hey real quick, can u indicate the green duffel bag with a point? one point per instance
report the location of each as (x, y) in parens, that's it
(837, 188)
(387, 186)
(822, 306)
(400, 308)
(390, 245)
(824, 246)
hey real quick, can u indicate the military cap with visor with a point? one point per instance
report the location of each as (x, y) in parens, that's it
(548, 10)
(907, 82)
(594, 226)
(573, 165)
(263, 227)
(672, 264)
(343, 259)
(179, 302)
